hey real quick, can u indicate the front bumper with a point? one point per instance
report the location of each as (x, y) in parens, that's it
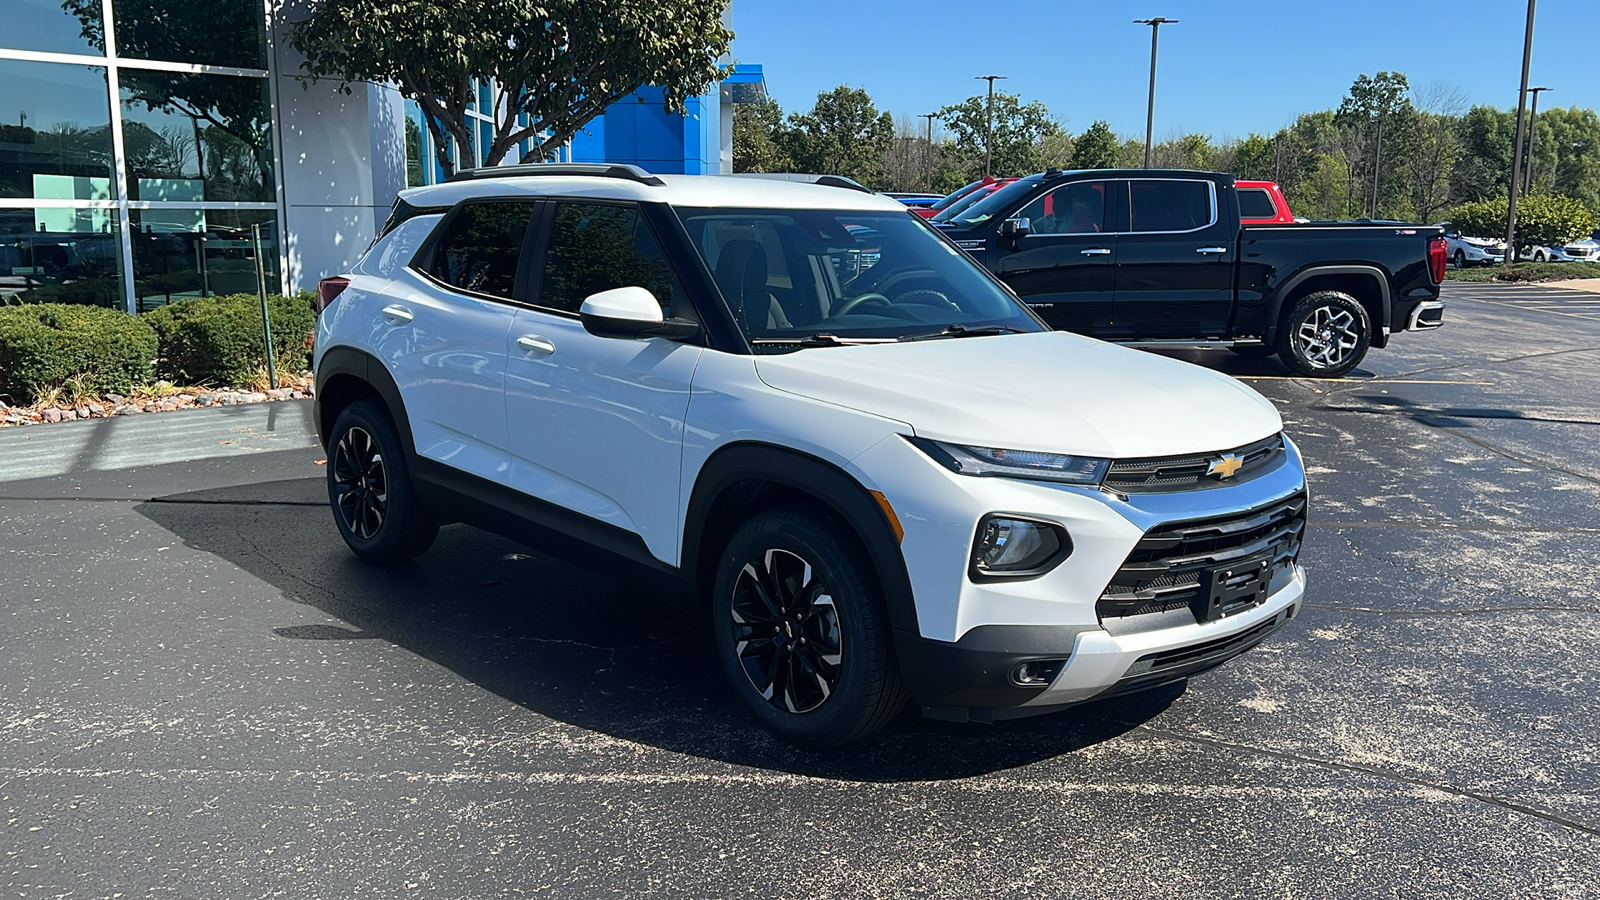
(960, 663)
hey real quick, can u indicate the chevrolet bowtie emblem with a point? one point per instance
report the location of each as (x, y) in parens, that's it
(1226, 466)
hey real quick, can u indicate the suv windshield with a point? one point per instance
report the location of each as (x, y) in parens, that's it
(992, 205)
(792, 275)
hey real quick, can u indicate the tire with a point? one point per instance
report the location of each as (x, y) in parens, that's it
(1325, 335)
(825, 675)
(1255, 351)
(369, 488)
(1461, 259)
(1538, 256)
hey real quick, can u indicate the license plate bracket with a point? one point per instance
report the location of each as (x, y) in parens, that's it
(1233, 588)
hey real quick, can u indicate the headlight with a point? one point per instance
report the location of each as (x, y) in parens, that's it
(969, 460)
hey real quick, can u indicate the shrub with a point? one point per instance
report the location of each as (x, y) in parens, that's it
(1542, 219)
(43, 345)
(217, 340)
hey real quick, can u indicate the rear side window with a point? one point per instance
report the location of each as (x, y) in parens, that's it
(593, 248)
(1256, 203)
(481, 247)
(1169, 205)
(401, 211)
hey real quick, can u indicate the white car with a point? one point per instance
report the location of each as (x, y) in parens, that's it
(1466, 251)
(879, 481)
(1582, 250)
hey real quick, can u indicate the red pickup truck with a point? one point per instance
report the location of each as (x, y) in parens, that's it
(1262, 203)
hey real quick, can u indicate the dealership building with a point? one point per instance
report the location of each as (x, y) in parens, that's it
(143, 155)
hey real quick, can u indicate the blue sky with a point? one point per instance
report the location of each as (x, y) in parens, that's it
(1226, 69)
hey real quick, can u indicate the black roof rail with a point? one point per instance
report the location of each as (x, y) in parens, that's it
(596, 170)
(838, 181)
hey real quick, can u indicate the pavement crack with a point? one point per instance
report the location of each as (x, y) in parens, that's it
(1337, 765)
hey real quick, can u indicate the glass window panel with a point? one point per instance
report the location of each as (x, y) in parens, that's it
(211, 33)
(60, 256)
(1078, 208)
(73, 26)
(481, 250)
(596, 248)
(416, 146)
(1255, 203)
(485, 138)
(193, 137)
(55, 131)
(182, 253)
(1169, 205)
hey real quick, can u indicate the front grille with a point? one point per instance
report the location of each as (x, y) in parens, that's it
(1172, 565)
(1156, 474)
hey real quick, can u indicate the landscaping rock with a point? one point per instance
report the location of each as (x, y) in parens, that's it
(116, 399)
(52, 415)
(97, 409)
(205, 400)
(69, 415)
(127, 410)
(254, 397)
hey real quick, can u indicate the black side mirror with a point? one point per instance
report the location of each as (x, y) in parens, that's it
(1015, 228)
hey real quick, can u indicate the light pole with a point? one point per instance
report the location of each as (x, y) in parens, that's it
(927, 150)
(1150, 109)
(988, 131)
(1516, 163)
(1533, 135)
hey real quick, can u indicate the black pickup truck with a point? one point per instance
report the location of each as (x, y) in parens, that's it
(1155, 257)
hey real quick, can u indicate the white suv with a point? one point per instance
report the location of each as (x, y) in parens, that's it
(879, 474)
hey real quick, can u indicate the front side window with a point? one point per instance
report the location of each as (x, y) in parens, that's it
(789, 275)
(1156, 205)
(481, 247)
(1070, 209)
(594, 248)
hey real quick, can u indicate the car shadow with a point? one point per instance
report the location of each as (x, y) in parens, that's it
(596, 651)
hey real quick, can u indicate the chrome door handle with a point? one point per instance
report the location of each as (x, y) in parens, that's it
(396, 314)
(535, 343)
(1212, 250)
(1096, 251)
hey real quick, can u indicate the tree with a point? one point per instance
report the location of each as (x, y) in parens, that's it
(843, 134)
(756, 130)
(1542, 220)
(558, 63)
(1371, 103)
(1096, 148)
(1022, 131)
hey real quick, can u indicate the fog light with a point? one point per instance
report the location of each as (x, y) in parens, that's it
(1007, 547)
(1036, 672)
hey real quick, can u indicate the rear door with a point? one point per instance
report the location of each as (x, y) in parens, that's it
(1175, 260)
(1064, 266)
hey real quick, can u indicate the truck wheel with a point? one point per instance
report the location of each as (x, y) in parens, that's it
(369, 488)
(1325, 335)
(801, 630)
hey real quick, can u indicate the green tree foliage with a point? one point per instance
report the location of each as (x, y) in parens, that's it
(560, 63)
(1023, 133)
(843, 134)
(1096, 148)
(755, 138)
(44, 344)
(1542, 219)
(1372, 103)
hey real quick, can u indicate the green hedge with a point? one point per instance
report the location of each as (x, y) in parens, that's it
(217, 340)
(44, 344)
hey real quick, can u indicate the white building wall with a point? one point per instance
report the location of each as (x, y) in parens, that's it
(343, 159)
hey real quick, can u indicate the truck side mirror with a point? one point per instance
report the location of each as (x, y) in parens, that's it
(1015, 228)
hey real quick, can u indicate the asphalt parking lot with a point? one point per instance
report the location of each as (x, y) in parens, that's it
(202, 694)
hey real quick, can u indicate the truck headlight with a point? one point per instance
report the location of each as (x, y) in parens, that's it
(989, 461)
(1012, 547)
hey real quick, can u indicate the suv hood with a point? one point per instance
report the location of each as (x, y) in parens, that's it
(1051, 391)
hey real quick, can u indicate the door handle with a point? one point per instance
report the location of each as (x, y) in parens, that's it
(1096, 251)
(1212, 250)
(396, 314)
(535, 343)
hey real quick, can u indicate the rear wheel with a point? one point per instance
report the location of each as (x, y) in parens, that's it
(369, 488)
(1461, 259)
(801, 630)
(1325, 335)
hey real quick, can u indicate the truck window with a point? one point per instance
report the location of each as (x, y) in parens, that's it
(1170, 205)
(1256, 203)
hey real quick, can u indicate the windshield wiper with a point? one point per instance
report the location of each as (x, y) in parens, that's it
(824, 339)
(960, 330)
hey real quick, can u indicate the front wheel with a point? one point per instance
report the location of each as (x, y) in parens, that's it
(1461, 259)
(1325, 335)
(369, 488)
(801, 630)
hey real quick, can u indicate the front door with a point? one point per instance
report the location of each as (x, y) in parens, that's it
(595, 425)
(1063, 266)
(1175, 261)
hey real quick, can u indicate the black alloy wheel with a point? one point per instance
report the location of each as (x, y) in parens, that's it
(801, 629)
(369, 488)
(1461, 259)
(1325, 335)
